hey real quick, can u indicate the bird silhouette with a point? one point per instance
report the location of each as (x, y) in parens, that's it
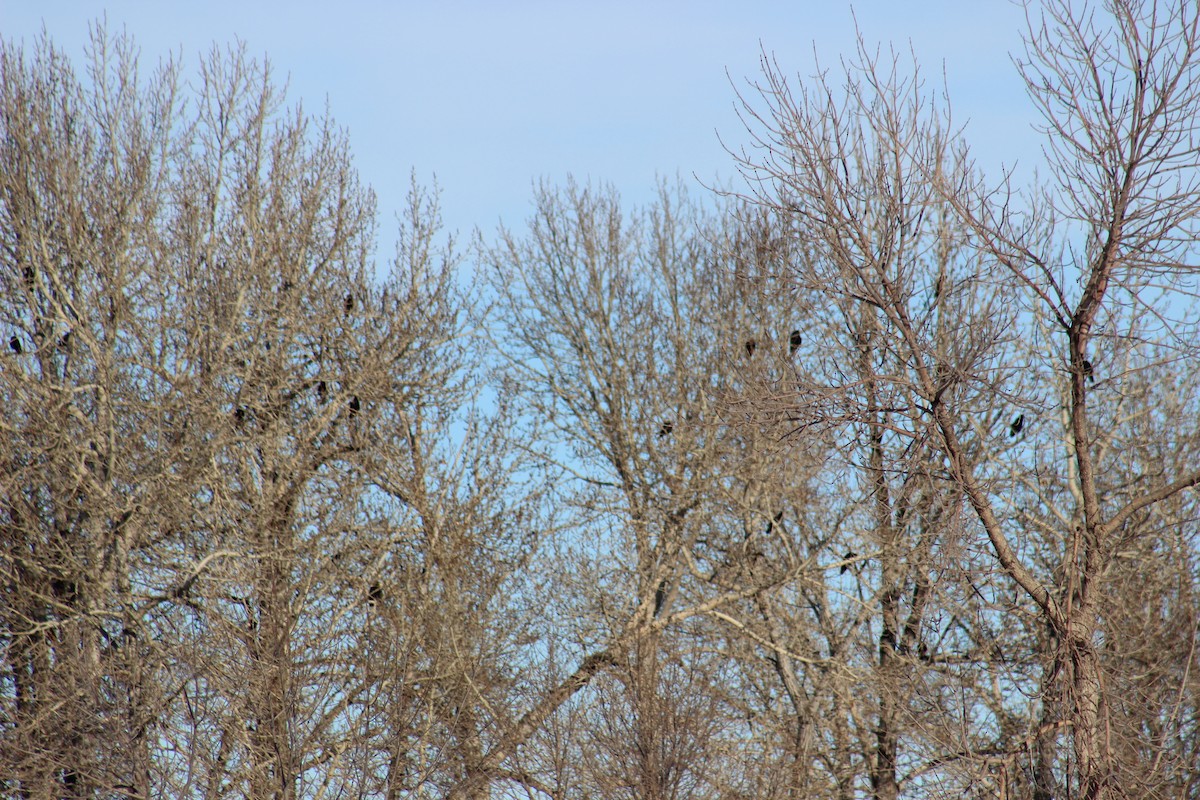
(666, 428)
(15, 344)
(751, 346)
(355, 406)
(1016, 426)
(1087, 371)
(321, 392)
(348, 303)
(660, 596)
(849, 555)
(794, 341)
(374, 594)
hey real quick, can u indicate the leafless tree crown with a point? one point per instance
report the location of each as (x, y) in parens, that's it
(875, 480)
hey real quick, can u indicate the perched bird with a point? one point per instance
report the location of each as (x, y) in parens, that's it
(666, 428)
(64, 589)
(849, 555)
(15, 344)
(321, 390)
(940, 288)
(355, 406)
(348, 303)
(239, 415)
(660, 596)
(1016, 426)
(773, 522)
(751, 346)
(1087, 371)
(793, 342)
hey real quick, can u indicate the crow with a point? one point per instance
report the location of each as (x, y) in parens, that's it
(849, 555)
(348, 303)
(321, 389)
(355, 406)
(666, 429)
(1087, 371)
(1017, 425)
(793, 342)
(660, 596)
(751, 346)
(15, 344)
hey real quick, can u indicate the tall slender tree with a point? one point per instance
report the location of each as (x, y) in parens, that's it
(1096, 272)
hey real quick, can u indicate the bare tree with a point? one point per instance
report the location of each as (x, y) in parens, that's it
(221, 440)
(1026, 338)
(629, 334)
(881, 483)
(82, 182)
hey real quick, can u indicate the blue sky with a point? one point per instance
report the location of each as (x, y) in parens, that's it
(489, 97)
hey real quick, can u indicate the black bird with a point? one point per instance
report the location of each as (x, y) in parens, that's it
(321, 392)
(64, 589)
(778, 518)
(15, 344)
(793, 343)
(751, 346)
(1017, 425)
(348, 303)
(239, 415)
(666, 429)
(1087, 371)
(355, 406)
(660, 596)
(374, 594)
(849, 555)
